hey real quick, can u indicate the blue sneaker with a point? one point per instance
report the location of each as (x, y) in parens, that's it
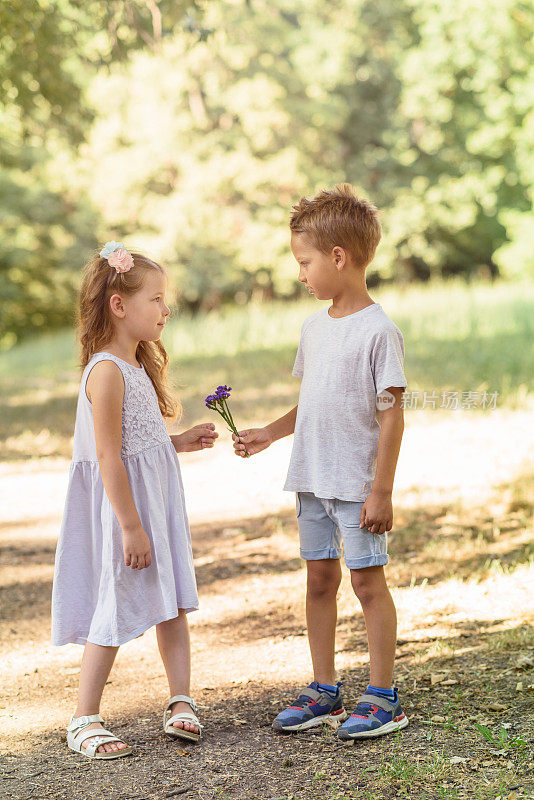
(374, 716)
(313, 707)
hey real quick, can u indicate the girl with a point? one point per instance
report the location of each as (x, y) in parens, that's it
(124, 560)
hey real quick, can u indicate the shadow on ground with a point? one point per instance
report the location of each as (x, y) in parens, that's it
(241, 757)
(427, 544)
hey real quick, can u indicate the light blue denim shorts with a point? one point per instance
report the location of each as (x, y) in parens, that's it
(327, 526)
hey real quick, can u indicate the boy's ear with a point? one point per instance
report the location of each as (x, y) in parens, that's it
(117, 306)
(340, 257)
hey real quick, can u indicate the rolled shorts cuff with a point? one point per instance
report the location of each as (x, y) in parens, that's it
(369, 561)
(316, 555)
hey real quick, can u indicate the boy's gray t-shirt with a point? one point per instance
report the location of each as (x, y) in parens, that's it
(344, 363)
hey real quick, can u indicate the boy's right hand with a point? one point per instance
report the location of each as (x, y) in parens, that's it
(136, 548)
(254, 441)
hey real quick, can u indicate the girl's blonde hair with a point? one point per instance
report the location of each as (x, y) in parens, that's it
(95, 325)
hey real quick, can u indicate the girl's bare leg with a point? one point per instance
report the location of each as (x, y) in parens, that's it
(173, 643)
(96, 666)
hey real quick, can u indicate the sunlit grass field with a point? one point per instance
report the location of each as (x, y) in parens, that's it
(458, 337)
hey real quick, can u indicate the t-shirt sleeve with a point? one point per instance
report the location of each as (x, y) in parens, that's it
(298, 366)
(387, 360)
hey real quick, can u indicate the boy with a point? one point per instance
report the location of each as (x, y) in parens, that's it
(348, 427)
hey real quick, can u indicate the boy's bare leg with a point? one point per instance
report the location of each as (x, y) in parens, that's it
(380, 616)
(323, 579)
(97, 661)
(175, 650)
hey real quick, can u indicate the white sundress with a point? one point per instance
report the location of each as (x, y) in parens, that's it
(95, 597)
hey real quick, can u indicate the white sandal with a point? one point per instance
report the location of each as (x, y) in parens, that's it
(183, 716)
(77, 733)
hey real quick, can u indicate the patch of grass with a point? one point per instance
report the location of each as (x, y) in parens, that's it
(520, 638)
(450, 712)
(494, 566)
(409, 770)
(358, 794)
(458, 337)
(502, 740)
(441, 649)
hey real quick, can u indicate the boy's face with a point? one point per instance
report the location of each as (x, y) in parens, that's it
(316, 270)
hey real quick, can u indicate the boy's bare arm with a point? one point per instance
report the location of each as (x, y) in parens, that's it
(257, 439)
(377, 511)
(284, 426)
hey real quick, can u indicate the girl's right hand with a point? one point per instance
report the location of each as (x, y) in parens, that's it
(136, 548)
(253, 441)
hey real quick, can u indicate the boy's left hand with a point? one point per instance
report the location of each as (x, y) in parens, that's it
(197, 438)
(377, 513)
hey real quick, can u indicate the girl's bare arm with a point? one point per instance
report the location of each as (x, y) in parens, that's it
(105, 389)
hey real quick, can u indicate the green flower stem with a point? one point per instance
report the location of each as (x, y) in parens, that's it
(230, 421)
(221, 407)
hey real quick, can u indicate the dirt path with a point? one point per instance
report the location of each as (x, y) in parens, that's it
(461, 575)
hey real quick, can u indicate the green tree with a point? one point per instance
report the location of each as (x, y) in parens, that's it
(420, 105)
(465, 81)
(191, 133)
(48, 53)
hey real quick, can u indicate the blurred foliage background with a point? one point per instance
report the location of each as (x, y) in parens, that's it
(188, 130)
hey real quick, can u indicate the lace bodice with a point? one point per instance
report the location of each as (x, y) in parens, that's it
(142, 422)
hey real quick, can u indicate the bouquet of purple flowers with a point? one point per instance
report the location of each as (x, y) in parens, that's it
(218, 402)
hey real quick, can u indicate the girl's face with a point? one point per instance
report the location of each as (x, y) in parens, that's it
(145, 312)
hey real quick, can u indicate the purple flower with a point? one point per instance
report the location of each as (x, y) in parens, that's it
(217, 402)
(222, 392)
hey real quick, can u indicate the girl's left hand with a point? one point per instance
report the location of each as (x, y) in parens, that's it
(197, 438)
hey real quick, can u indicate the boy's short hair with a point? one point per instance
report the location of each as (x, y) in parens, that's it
(338, 218)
